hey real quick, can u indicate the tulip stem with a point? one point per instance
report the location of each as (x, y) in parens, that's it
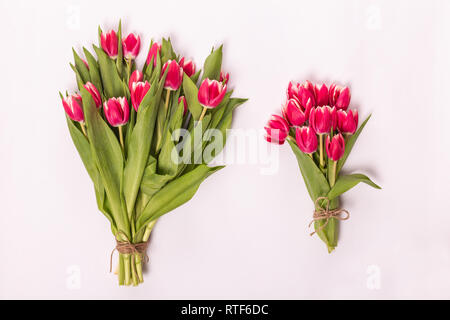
(333, 174)
(166, 106)
(322, 162)
(203, 114)
(83, 128)
(129, 66)
(121, 137)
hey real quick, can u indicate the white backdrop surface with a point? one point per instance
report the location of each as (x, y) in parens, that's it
(244, 235)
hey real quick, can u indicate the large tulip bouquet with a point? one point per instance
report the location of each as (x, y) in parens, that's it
(321, 131)
(142, 134)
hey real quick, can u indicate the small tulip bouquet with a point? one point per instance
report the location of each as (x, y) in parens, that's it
(321, 131)
(146, 136)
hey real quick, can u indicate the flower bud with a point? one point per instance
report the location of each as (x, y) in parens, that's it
(136, 76)
(321, 95)
(73, 106)
(306, 139)
(183, 99)
(188, 67)
(109, 43)
(94, 93)
(339, 97)
(211, 93)
(224, 77)
(347, 121)
(323, 119)
(138, 92)
(174, 75)
(131, 46)
(153, 53)
(277, 130)
(293, 113)
(117, 111)
(335, 147)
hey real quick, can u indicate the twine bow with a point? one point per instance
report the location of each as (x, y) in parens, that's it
(327, 214)
(126, 247)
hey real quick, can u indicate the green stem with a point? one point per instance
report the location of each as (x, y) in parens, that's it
(166, 106)
(203, 114)
(332, 177)
(148, 230)
(121, 137)
(127, 269)
(322, 162)
(129, 66)
(138, 262)
(83, 128)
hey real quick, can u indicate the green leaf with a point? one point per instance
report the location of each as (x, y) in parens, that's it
(107, 154)
(112, 83)
(83, 71)
(175, 194)
(347, 182)
(140, 142)
(191, 94)
(119, 61)
(196, 76)
(315, 181)
(152, 182)
(349, 143)
(167, 52)
(213, 65)
(94, 70)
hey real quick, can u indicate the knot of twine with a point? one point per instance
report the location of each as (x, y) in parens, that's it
(126, 247)
(327, 214)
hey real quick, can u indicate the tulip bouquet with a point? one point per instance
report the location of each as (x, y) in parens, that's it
(143, 134)
(321, 131)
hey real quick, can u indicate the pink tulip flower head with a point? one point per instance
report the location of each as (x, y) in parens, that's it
(73, 106)
(335, 147)
(306, 139)
(110, 44)
(211, 93)
(277, 130)
(117, 111)
(131, 46)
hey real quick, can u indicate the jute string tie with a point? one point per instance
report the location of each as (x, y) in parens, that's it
(327, 214)
(126, 247)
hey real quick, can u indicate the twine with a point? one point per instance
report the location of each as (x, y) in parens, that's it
(327, 214)
(126, 247)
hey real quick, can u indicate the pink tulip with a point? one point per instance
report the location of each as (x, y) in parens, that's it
(321, 95)
(183, 99)
(73, 105)
(94, 93)
(211, 93)
(136, 76)
(277, 130)
(117, 111)
(153, 53)
(110, 43)
(224, 77)
(306, 139)
(335, 147)
(347, 121)
(304, 93)
(131, 46)
(323, 119)
(138, 92)
(188, 67)
(339, 97)
(293, 113)
(174, 75)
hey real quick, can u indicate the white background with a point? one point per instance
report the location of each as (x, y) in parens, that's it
(244, 235)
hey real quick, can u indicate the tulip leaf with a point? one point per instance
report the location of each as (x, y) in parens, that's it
(83, 71)
(347, 182)
(152, 182)
(349, 143)
(112, 83)
(191, 94)
(94, 70)
(167, 52)
(196, 76)
(107, 154)
(315, 181)
(166, 165)
(174, 194)
(213, 65)
(140, 142)
(119, 61)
